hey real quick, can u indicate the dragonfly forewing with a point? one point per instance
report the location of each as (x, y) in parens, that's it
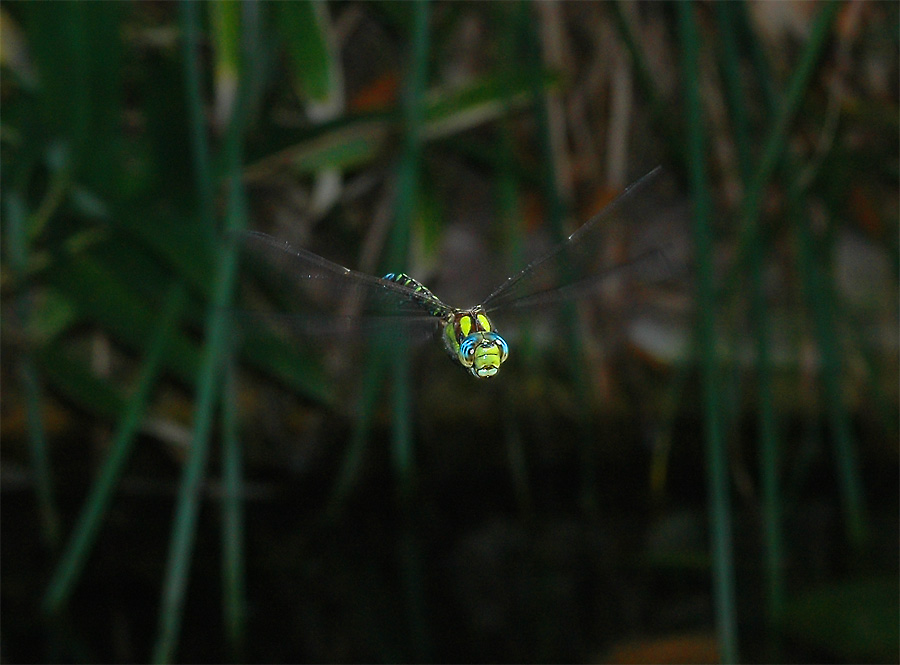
(615, 243)
(328, 311)
(326, 294)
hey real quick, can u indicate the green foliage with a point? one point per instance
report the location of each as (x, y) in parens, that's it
(302, 27)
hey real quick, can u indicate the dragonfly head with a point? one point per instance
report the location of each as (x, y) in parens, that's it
(482, 353)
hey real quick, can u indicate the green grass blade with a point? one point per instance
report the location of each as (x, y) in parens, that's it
(732, 81)
(301, 27)
(821, 300)
(819, 291)
(17, 253)
(352, 464)
(214, 355)
(774, 144)
(189, 495)
(660, 111)
(758, 57)
(512, 227)
(84, 534)
(717, 464)
(193, 92)
(401, 439)
(398, 249)
(383, 347)
(225, 33)
(81, 105)
(776, 141)
(556, 215)
(770, 443)
(233, 534)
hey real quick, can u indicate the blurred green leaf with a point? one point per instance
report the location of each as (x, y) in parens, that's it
(168, 142)
(343, 144)
(73, 379)
(52, 314)
(226, 34)
(302, 27)
(100, 295)
(353, 141)
(225, 18)
(84, 535)
(81, 101)
(176, 238)
(287, 363)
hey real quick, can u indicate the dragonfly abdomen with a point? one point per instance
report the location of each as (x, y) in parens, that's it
(432, 304)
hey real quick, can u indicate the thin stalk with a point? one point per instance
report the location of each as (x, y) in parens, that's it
(511, 226)
(884, 406)
(662, 117)
(734, 92)
(775, 143)
(189, 494)
(200, 150)
(383, 347)
(817, 285)
(821, 299)
(556, 214)
(764, 79)
(717, 463)
(354, 457)
(84, 535)
(412, 569)
(234, 607)
(234, 599)
(17, 253)
(407, 188)
(214, 353)
(770, 462)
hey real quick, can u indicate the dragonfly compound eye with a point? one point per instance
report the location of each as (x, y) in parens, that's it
(467, 350)
(501, 344)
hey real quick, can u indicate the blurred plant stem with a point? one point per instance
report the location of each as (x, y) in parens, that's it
(716, 454)
(17, 252)
(214, 355)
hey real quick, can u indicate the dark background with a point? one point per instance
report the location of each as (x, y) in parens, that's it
(703, 472)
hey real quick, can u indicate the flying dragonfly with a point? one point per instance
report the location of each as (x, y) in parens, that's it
(570, 270)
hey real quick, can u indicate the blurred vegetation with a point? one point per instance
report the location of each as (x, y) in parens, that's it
(708, 474)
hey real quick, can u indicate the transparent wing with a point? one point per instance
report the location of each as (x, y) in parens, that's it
(613, 242)
(307, 293)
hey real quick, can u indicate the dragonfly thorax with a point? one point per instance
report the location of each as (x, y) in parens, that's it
(471, 340)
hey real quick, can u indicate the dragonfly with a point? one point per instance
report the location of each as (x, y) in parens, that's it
(570, 270)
